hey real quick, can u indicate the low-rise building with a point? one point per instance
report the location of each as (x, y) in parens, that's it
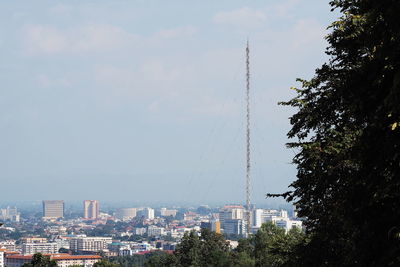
(286, 223)
(8, 245)
(153, 230)
(62, 260)
(44, 248)
(91, 244)
(33, 239)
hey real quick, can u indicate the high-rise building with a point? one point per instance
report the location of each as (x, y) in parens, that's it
(147, 213)
(91, 209)
(125, 214)
(10, 214)
(235, 226)
(53, 209)
(212, 225)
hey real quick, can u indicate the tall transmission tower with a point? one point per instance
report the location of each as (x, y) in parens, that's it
(248, 178)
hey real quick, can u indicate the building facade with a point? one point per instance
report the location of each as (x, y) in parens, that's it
(91, 209)
(8, 245)
(62, 260)
(147, 213)
(125, 214)
(10, 214)
(167, 213)
(2, 257)
(89, 244)
(153, 230)
(235, 226)
(44, 248)
(229, 213)
(53, 209)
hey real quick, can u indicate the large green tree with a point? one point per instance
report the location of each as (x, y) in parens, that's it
(196, 249)
(39, 260)
(270, 246)
(348, 140)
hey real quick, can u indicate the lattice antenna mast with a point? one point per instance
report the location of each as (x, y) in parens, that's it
(248, 178)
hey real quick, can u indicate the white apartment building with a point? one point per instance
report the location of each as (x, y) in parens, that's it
(147, 213)
(2, 257)
(166, 212)
(44, 248)
(139, 231)
(8, 245)
(9, 213)
(261, 216)
(235, 226)
(62, 243)
(286, 223)
(153, 230)
(93, 244)
(228, 213)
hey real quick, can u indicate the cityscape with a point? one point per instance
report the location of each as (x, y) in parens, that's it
(230, 133)
(90, 234)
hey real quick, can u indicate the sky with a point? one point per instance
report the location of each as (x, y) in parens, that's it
(143, 100)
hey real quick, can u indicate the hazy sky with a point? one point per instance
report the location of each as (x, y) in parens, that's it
(143, 101)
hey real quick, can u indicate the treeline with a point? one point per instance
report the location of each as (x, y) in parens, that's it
(271, 246)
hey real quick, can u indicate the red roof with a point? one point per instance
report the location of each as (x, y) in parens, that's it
(56, 257)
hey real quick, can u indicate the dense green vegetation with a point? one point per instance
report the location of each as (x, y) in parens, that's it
(271, 246)
(348, 141)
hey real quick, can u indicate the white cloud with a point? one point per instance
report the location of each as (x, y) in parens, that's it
(152, 78)
(285, 9)
(44, 80)
(307, 32)
(61, 9)
(216, 107)
(45, 39)
(244, 17)
(154, 106)
(176, 32)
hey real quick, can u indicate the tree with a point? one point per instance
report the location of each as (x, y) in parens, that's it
(39, 260)
(348, 140)
(204, 249)
(270, 246)
(105, 263)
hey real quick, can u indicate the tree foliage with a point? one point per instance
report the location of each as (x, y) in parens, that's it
(270, 246)
(105, 263)
(39, 260)
(204, 249)
(348, 140)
